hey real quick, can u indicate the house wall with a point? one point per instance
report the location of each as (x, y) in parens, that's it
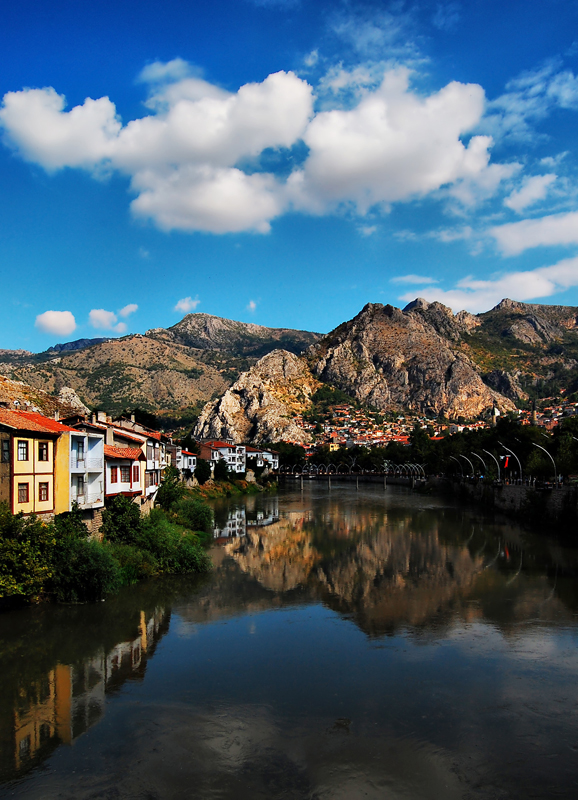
(62, 475)
(33, 472)
(5, 471)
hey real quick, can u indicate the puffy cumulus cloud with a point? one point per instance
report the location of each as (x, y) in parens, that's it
(182, 158)
(555, 229)
(418, 280)
(393, 146)
(480, 295)
(106, 320)
(187, 304)
(208, 199)
(37, 125)
(532, 190)
(251, 306)
(187, 159)
(60, 323)
(128, 310)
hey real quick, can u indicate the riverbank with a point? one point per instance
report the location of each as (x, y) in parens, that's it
(60, 561)
(214, 490)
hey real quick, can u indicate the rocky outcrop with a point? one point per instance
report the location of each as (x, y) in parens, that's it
(394, 359)
(68, 397)
(261, 405)
(207, 332)
(19, 395)
(505, 383)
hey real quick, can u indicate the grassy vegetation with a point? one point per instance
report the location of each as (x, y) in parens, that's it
(58, 561)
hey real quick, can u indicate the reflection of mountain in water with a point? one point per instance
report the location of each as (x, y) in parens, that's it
(63, 703)
(392, 568)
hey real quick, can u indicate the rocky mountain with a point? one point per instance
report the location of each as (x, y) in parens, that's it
(77, 344)
(18, 395)
(173, 371)
(261, 405)
(206, 332)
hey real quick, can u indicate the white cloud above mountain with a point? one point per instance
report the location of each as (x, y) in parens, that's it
(59, 323)
(514, 238)
(477, 295)
(106, 320)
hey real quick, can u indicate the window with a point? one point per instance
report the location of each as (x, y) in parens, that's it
(150, 452)
(42, 492)
(80, 450)
(43, 451)
(114, 474)
(135, 477)
(22, 492)
(125, 474)
(22, 451)
(80, 485)
(5, 451)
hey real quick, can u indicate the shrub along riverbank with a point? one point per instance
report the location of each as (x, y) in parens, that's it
(58, 560)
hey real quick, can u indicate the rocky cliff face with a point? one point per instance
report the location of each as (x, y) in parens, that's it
(390, 358)
(261, 405)
(207, 332)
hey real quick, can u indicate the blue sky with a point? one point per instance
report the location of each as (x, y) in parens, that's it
(282, 162)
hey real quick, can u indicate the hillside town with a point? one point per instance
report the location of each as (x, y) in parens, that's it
(49, 464)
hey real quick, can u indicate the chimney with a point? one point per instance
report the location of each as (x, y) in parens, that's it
(109, 436)
(132, 418)
(57, 415)
(101, 416)
(533, 419)
(93, 417)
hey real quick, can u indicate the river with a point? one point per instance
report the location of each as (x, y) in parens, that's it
(349, 644)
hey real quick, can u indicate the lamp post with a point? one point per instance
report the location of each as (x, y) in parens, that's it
(470, 463)
(516, 457)
(551, 459)
(482, 460)
(495, 459)
(459, 464)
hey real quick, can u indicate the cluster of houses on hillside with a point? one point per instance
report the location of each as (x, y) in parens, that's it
(47, 465)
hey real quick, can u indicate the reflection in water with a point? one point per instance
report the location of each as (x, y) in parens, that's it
(354, 644)
(62, 704)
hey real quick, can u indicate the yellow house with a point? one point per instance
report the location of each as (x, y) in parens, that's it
(34, 467)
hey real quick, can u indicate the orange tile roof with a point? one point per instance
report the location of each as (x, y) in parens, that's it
(127, 453)
(33, 422)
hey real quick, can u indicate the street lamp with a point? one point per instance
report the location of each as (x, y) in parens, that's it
(459, 464)
(516, 457)
(470, 463)
(551, 459)
(495, 459)
(482, 460)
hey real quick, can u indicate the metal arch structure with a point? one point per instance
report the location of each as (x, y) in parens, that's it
(470, 463)
(481, 459)
(516, 457)
(459, 464)
(551, 459)
(495, 459)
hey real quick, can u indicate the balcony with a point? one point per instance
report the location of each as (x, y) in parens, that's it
(88, 499)
(88, 463)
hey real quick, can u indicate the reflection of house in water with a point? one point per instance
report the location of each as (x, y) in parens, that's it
(236, 525)
(239, 519)
(71, 697)
(266, 515)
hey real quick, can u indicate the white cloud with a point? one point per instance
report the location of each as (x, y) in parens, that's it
(393, 146)
(453, 234)
(367, 230)
(105, 320)
(413, 279)
(60, 323)
(128, 310)
(480, 295)
(554, 229)
(187, 304)
(185, 158)
(532, 190)
(251, 306)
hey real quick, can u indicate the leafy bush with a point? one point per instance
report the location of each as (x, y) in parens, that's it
(135, 563)
(26, 545)
(121, 520)
(202, 471)
(194, 514)
(82, 571)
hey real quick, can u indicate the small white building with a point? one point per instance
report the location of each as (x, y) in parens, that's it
(212, 450)
(124, 470)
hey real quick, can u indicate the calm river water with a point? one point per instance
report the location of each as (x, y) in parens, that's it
(349, 644)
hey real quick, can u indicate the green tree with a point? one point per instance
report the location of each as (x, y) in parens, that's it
(121, 520)
(171, 489)
(221, 471)
(202, 471)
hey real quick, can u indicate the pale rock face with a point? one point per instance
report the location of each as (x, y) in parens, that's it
(261, 405)
(394, 359)
(68, 397)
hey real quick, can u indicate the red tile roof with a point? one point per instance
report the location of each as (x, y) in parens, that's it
(124, 435)
(127, 453)
(33, 422)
